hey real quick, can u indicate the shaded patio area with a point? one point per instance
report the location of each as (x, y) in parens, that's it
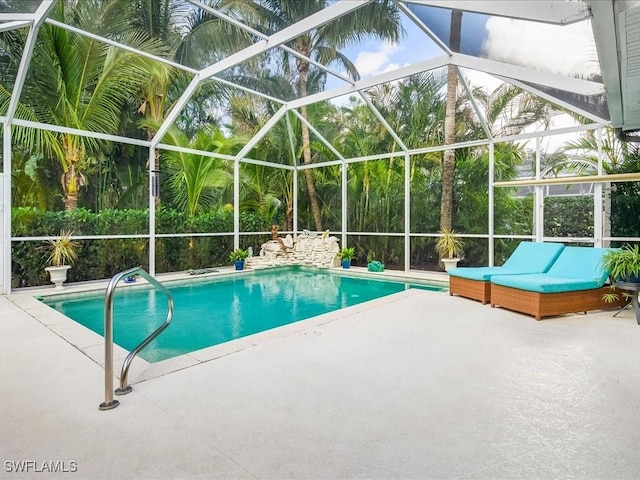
(420, 385)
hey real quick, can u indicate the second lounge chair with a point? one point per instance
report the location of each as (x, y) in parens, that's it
(528, 257)
(574, 283)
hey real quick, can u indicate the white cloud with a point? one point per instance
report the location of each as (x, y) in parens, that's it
(481, 79)
(372, 63)
(567, 50)
(390, 67)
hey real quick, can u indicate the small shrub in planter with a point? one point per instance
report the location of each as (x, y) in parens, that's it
(237, 257)
(62, 253)
(346, 255)
(624, 266)
(623, 263)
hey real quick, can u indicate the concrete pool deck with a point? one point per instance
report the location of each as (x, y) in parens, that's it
(420, 385)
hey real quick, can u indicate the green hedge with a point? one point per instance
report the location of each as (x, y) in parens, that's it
(570, 216)
(99, 259)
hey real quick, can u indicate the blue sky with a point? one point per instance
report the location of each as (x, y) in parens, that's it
(374, 57)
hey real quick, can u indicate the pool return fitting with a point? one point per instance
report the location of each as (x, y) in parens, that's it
(109, 403)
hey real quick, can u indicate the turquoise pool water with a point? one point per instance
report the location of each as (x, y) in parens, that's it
(207, 313)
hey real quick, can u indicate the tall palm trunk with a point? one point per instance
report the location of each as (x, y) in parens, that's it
(449, 160)
(303, 70)
(71, 178)
(289, 217)
(71, 181)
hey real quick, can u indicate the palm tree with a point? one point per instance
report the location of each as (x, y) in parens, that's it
(507, 110)
(77, 82)
(198, 181)
(413, 108)
(379, 19)
(449, 159)
(192, 37)
(250, 113)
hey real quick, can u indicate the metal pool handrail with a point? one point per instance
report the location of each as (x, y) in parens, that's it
(109, 402)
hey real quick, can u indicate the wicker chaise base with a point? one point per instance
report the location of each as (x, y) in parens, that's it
(548, 304)
(475, 289)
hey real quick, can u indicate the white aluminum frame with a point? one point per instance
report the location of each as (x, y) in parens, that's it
(562, 13)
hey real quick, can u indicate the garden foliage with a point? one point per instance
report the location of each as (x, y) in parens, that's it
(102, 258)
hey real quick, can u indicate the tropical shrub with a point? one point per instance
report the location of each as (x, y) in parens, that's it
(103, 258)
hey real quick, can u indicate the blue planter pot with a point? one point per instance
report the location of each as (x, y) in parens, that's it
(346, 263)
(239, 264)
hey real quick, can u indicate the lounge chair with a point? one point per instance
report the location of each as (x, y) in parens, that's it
(574, 283)
(528, 257)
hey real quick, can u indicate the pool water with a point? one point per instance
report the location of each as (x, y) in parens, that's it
(213, 312)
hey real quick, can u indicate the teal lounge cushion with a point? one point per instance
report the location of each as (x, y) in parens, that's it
(577, 268)
(528, 257)
(534, 257)
(580, 262)
(545, 283)
(482, 274)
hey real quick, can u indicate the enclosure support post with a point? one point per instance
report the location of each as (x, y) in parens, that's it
(344, 202)
(538, 201)
(6, 209)
(154, 182)
(598, 205)
(407, 212)
(236, 204)
(491, 226)
(294, 163)
(295, 201)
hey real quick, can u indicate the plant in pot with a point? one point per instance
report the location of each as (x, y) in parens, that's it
(449, 247)
(624, 267)
(237, 257)
(346, 255)
(623, 263)
(62, 253)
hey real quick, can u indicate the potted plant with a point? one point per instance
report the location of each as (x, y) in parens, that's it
(346, 255)
(62, 253)
(623, 263)
(449, 246)
(238, 257)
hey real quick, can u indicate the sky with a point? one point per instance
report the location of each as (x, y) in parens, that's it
(566, 50)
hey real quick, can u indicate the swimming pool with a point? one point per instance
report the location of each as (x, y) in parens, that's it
(211, 312)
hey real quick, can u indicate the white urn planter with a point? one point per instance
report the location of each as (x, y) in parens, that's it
(450, 263)
(58, 275)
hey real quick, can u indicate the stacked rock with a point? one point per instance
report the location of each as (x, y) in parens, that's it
(319, 251)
